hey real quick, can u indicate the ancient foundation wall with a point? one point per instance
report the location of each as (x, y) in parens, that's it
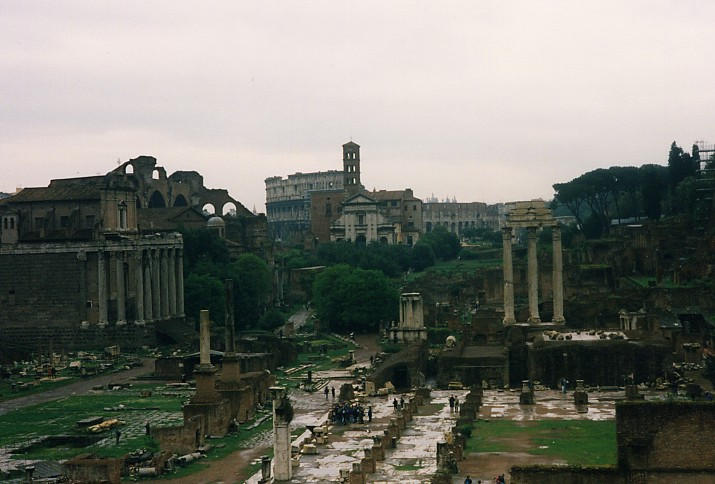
(42, 289)
(180, 439)
(666, 436)
(85, 468)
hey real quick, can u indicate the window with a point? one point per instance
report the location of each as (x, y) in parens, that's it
(122, 214)
(414, 208)
(361, 219)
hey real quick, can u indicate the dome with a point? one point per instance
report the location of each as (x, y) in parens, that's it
(215, 222)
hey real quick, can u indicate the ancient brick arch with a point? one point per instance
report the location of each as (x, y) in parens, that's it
(180, 201)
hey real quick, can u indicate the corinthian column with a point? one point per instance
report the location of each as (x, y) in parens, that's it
(121, 295)
(533, 277)
(171, 281)
(155, 286)
(180, 283)
(148, 299)
(139, 290)
(558, 276)
(164, 284)
(508, 278)
(101, 288)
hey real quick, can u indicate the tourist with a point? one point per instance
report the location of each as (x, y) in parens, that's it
(147, 426)
(402, 403)
(332, 390)
(456, 404)
(117, 434)
(451, 403)
(468, 480)
(326, 391)
(394, 404)
(369, 413)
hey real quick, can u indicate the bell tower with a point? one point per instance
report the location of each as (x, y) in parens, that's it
(351, 168)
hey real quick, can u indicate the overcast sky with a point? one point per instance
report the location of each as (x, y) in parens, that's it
(485, 101)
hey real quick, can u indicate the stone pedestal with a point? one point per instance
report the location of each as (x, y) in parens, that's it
(368, 462)
(526, 397)
(580, 397)
(282, 415)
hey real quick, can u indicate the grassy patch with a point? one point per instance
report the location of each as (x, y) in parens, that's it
(583, 442)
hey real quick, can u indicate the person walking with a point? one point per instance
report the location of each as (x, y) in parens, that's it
(332, 390)
(326, 392)
(117, 434)
(394, 404)
(369, 413)
(468, 480)
(451, 403)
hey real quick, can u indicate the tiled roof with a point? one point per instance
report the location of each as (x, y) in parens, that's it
(55, 193)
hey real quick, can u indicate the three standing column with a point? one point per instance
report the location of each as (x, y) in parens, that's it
(509, 317)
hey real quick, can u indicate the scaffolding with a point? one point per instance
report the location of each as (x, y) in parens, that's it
(705, 183)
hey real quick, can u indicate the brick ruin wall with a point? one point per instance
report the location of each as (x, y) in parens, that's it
(668, 436)
(658, 442)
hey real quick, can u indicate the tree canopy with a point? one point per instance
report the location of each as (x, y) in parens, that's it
(350, 299)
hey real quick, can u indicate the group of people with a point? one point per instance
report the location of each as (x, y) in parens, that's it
(497, 480)
(453, 404)
(347, 413)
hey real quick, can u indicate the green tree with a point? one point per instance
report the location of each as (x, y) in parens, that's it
(444, 243)
(204, 291)
(422, 256)
(354, 300)
(653, 182)
(252, 289)
(680, 165)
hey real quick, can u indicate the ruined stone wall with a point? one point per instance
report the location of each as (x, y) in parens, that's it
(180, 439)
(666, 436)
(598, 363)
(566, 475)
(86, 468)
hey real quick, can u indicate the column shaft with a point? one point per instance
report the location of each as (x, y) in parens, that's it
(101, 288)
(508, 277)
(155, 286)
(148, 299)
(533, 277)
(139, 290)
(558, 276)
(180, 283)
(171, 282)
(121, 299)
(164, 284)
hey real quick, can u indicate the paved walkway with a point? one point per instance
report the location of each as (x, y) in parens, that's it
(77, 387)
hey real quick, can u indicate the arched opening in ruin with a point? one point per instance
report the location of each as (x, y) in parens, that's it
(229, 208)
(208, 209)
(129, 169)
(401, 376)
(180, 201)
(157, 200)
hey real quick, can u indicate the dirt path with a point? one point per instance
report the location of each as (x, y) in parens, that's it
(77, 387)
(232, 468)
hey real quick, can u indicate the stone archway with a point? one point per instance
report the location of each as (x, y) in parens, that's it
(180, 201)
(157, 200)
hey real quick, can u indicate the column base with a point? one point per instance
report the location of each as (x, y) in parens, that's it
(121, 323)
(84, 325)
(506, 321)
(102, 324)
(140, 322)
(533, 320)
(559, 320)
